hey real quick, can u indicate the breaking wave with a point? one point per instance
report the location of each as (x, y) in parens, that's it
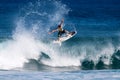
(32, 48)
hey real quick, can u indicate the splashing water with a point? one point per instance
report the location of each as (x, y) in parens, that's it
(30, 39)
(33, 23)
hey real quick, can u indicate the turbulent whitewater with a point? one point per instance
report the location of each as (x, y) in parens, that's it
(28, 45)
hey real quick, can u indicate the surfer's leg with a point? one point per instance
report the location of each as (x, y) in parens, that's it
(59, 35)
(63, 31)
(67, 32)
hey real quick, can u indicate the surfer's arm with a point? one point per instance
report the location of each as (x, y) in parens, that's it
(62, 21)
(53, 31)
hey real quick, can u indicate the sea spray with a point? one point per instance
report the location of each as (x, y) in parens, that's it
(31, 27)
(30, 40)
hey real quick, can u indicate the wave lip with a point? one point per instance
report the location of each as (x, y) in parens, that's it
(86, 64)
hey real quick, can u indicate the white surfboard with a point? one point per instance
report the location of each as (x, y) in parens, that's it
(64, 38)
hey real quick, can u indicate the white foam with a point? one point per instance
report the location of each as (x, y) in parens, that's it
(25, 44)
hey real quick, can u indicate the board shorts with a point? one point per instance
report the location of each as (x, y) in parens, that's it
(60, 33)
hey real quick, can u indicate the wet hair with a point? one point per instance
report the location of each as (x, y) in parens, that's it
(59, 26)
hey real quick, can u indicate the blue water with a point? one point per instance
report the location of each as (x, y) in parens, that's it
(27, 51)
(75, 75)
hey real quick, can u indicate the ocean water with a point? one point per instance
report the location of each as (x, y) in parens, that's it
(28, 53)
(75, 75)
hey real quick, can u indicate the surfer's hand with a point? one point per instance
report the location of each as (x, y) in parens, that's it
(62, 20)
(49, 32)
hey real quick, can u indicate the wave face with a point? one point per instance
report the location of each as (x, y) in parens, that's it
(30, 47)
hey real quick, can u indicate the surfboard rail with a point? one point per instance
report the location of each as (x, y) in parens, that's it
(66, 37)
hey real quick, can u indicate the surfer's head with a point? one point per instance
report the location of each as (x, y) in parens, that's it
(59, 26)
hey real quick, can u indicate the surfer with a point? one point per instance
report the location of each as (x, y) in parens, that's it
(60, 30)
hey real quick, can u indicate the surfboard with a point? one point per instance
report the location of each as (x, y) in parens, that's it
(65, 37)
